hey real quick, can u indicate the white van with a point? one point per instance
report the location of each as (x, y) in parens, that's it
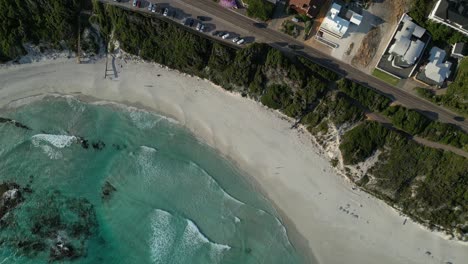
(225, 36)
(240, 42)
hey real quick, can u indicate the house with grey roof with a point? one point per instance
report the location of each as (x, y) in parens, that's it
(437, 70)
(459, 50)
(405, 48)
(452, 13)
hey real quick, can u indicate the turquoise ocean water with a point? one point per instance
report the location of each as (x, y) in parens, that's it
(104, 183)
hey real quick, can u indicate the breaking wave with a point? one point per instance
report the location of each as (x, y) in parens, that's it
(172, 245)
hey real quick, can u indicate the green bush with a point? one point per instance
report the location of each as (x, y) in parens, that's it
(417, 124)
(277, 96)
(360, 142)
(366, 96)
(49, 21)
(319, 70)
(408, 120)
(261, 9)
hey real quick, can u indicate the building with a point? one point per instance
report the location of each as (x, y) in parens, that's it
(405, 49)
(338, 20)
(459, 50)
(437, 70)
(452, 13)
(310, 8)
(407, 46)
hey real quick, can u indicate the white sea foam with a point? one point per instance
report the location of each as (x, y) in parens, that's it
(213, 183)
(147, 166)
(165, 240)
(148, 149)
(163, 236)
(237, 219)
(58, 141)
(46, 141)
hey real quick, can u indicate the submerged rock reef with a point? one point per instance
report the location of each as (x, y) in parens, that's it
(45, 222)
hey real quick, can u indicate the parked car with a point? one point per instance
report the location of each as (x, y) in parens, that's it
(191, 22)
(166, 12)
(200, 27)
(215, 33)
(150, 6)
(241, 41)
(202, 18)
(235, 39)
(135, 2)
(153, 8)
(225, 36)
(186, 21)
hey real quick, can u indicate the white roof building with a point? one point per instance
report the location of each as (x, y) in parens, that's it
(436, 70)
(407, 44)
(356, 19)
(334, 24)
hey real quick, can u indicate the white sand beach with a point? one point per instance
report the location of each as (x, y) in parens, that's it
(283, 162)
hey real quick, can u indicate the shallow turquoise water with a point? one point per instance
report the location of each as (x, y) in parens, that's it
(170, 199)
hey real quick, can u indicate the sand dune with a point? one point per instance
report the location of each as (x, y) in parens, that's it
(326, 217)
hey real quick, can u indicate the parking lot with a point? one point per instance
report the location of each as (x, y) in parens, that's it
(197, 20)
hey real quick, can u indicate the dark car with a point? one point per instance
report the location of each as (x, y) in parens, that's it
(202, 18)
(215, 33)
(260, 25)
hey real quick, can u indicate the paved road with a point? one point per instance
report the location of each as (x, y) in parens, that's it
(281, 41)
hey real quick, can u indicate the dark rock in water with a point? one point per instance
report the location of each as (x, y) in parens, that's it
(27, 189)
(15, 123)
(62, 250)
(50, 223)
(99, 145)
(84, 143)
(107, 191)
(27, 245)
(10, 197)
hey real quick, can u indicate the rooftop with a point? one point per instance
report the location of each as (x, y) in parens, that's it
(336, 23)
(407, 44)
(437, 70)
(452, 12)
(460, 50)
(405, 49)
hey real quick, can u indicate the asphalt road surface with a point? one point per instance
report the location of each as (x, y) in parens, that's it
(282, 41)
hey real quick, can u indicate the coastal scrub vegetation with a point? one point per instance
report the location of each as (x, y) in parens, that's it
(35, 21)
(417, 124)
(426, 183)
(261, 9)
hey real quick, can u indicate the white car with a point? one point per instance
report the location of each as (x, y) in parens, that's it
(235, 39)
(150, 6)
(166, 12)
(240, 42)
(225, 36)
(134, 2)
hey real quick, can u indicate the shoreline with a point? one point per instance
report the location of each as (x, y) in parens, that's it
(306, 192)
